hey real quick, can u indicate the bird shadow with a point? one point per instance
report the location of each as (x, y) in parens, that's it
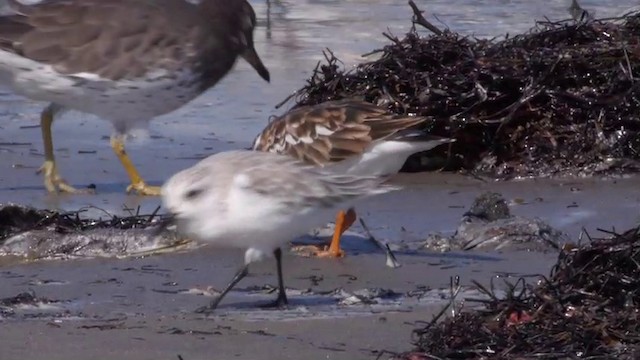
(355, 244)
(352, 244)
(264, 304)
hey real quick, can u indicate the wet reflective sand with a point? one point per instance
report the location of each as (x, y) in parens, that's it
(141, 308)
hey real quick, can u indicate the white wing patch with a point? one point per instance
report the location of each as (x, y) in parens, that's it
(257, 142)
(306, 140)
(278, 148)
(323, 130)
(290, 139)
(88, 76)
(242, 181)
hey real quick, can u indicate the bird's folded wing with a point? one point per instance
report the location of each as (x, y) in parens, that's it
(107, 39)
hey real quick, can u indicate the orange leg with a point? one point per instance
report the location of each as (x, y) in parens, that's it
(343, 222)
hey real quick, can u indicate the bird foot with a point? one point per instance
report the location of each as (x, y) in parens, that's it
(141, 188)
(206, 310)
(55, 183)
(280, 303)
(344, 220)
(321, 251)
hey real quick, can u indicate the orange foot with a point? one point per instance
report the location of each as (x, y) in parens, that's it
(343, 222)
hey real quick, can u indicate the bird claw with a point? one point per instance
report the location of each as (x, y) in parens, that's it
(276, 304)
(206, 310)
(55, 183)
(141, 188)
(325, 253)
(320, 251)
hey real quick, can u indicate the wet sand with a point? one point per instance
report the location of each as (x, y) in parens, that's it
(123, 308)
(115, 310)
(133, 309)
(137, 308)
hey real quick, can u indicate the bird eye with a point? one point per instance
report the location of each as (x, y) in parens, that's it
(193, 193)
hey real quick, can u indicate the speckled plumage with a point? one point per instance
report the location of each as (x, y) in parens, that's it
(355, 136)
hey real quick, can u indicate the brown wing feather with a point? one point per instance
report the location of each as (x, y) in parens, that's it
(116, 38)
(331, 131)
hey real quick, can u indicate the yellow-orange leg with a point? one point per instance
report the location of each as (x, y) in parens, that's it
(52, 179)
(343, 222)
(137, 184)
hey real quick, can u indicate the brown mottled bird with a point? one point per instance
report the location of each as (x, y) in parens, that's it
(354, 137)
(126, 61)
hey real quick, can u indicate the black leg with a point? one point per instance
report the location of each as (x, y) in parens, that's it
(236, 279)
(282, 296)
(281, 301)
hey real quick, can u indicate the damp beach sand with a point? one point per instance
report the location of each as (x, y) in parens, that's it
(142, 307)
(350, 308)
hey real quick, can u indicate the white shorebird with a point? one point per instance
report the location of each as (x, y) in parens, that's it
(126, 61)
(258, 201)
(351, 137)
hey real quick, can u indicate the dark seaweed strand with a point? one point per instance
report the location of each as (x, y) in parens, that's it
(15, 219)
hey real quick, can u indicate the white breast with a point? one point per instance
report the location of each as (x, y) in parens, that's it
(127, 104)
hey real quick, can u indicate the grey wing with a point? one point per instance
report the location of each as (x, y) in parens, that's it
(300, 186)
(76, 36)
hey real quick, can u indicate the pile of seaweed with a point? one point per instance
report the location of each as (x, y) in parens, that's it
(560, 99)
(16, 219)
(588, 308)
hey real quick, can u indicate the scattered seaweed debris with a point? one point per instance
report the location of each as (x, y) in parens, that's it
(36, 234)
(587, 308)
(560, 99)
(489, 225)
(9, 305)
(15, 219)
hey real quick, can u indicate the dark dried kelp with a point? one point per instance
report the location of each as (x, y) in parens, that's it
(35, 234)
(15, 219)
(587, 309)
(9, 305)
(562, 98)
